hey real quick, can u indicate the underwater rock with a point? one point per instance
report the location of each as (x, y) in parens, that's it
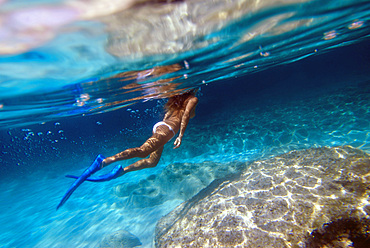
(120, 239)
(276, 202)
(176, 181)
(349, 232)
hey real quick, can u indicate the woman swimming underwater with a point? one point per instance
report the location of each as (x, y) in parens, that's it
(179, 110)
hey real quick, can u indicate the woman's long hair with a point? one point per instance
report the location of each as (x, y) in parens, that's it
(176, 103)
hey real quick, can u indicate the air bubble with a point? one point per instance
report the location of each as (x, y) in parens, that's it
(330, 35)
(84, 97)
(79, 103)
(264, 54)
(356, 24)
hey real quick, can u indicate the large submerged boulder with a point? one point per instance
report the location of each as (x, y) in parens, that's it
(289, 200)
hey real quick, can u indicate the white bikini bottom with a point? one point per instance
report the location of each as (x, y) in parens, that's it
(160, 124)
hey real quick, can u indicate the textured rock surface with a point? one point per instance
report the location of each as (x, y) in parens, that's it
(120, 239)
(276, 202)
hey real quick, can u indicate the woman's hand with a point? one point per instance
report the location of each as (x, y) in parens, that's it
(177, 142)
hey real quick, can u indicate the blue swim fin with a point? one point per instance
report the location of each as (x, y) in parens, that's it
(96, 165)
(116, 172)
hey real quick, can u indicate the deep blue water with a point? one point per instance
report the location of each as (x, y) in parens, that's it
(250, 107)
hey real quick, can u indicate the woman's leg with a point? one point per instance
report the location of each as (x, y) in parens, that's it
(150, 162)
(158, 139)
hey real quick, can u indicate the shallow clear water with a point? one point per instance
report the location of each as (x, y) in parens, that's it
(258, 98)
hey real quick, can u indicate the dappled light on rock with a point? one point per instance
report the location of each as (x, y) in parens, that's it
(276, 202)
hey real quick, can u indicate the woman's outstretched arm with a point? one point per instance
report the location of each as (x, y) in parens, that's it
(190, 108)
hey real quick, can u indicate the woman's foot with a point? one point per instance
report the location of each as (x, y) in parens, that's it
(107, 161)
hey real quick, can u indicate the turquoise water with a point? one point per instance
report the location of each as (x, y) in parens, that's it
(273, 78)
